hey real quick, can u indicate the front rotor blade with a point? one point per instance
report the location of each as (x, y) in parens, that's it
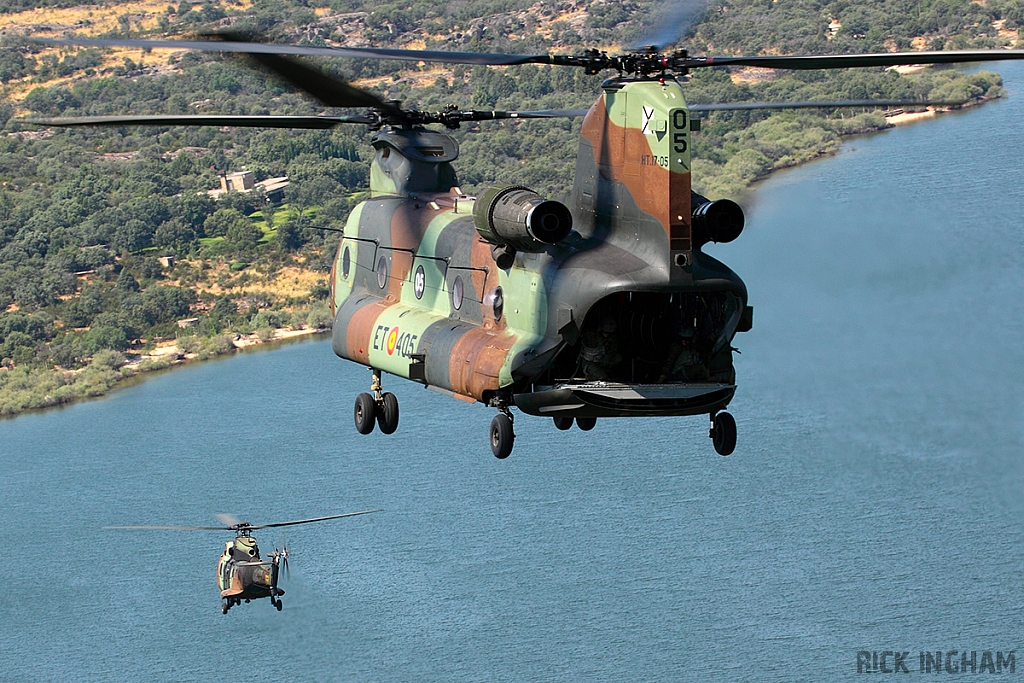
(307, 521)
(808, 62)
(311, 122)
(449, 116)
(740, 106)
(542, 114)
(329, 90)
(175, 528)
(484, 58)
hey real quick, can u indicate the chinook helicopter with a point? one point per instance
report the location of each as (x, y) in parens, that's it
(602, 306)
(241, 573)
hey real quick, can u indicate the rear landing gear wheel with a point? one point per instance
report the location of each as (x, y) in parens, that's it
(279, 605)
(224, 607)
(366, 413)
(502, 436)
(723, 433)
(563, 423)
(586, 423)
(387, 413)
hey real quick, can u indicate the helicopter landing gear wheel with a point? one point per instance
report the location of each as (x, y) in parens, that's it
(224, 607)
(563, 423)
(387, 413)
(723, 433)
(586, 423)
(365, 413)
(278, 604)
(502, 435)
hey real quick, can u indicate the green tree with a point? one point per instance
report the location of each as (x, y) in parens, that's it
(242, 236)
(126, 282)
(222, 221)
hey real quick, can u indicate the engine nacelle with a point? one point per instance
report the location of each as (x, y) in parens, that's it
(514, 218)
(715, 221)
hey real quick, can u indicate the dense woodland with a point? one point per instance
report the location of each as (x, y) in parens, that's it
(85, 214)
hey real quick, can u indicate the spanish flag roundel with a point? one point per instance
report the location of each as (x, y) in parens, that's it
(392, 340)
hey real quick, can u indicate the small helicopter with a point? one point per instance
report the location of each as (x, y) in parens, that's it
(241, 573)
(602, 306)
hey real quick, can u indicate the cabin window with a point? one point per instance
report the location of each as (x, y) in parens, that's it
(419, 282)
(382, 272)
(346, 263)
(497, 303)
(457, 291)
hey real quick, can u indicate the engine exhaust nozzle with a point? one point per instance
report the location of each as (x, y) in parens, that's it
(521, 219)
(715, 221)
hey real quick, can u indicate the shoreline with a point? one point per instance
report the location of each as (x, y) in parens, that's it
(240, 342)
(64, 388)
(892, 122)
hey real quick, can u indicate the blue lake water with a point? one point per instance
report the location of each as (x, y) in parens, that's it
(874, 501)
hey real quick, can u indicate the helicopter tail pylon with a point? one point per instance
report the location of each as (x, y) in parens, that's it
(635, 146)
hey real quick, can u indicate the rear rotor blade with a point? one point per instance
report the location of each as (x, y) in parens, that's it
(809, 62)
(307, 521)
(740, 106)
(484, 58)
(673, 21)
(309, 122)
(593, 61)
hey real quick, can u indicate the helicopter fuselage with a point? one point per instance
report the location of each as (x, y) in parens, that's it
(418, 291)
(243, 575)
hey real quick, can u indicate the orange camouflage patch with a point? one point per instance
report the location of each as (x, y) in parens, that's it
(476, 362)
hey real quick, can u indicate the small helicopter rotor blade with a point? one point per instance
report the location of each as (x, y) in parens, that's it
(174, 528)
(741, 106)
(308, 122)
(672, 22)
(307, 521)
(809, 62)
(227, 519)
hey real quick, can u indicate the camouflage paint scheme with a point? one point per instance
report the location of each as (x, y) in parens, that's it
(631, 211)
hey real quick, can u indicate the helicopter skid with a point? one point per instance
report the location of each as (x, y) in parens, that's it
(613, 399)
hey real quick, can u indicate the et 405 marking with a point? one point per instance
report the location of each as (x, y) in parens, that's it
(393, 340)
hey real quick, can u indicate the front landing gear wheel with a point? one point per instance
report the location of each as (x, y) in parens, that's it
(366, 413)
(224, 607)
(502, 436)
(387, 413)
(279, 605)
(723, 433)
(563, 423)
(586, 423)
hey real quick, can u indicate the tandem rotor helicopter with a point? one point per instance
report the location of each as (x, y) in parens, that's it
(603, 306)
(241, 573)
